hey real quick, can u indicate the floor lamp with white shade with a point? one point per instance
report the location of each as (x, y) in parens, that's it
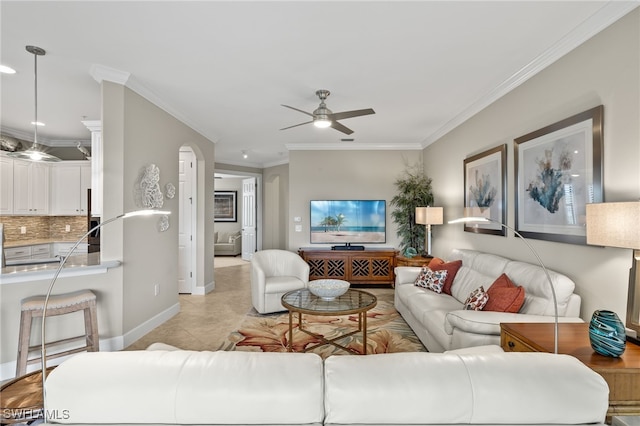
(479, 219)
(429, 216)
(43, 349)
(618, 225)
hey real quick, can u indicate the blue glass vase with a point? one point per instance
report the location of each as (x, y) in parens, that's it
(410, 252)
(606, 333)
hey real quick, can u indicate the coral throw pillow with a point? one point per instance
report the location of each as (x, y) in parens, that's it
(476, 300)
(504, 296)
(438, 264)
(432, 280)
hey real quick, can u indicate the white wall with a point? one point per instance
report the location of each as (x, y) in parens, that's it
(604, 70)
(230, 184)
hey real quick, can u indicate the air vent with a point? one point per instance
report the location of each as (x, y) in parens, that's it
(347, 140)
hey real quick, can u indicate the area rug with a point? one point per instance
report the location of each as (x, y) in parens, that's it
(386, 332)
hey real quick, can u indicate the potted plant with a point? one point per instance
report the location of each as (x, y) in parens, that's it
(414, 190)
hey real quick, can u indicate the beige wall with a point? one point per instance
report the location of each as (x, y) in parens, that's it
(135, 134)
(316, 175)
(153, 137)
(604, 70)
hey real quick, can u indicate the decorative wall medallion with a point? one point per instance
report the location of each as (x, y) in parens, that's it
(148, 193)
(170, 190)
(163, 223)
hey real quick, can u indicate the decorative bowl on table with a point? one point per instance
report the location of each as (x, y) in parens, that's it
(328, 289)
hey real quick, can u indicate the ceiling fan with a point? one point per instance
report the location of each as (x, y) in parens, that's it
(323, 117)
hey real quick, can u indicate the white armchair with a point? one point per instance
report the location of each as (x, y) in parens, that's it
(273, 273)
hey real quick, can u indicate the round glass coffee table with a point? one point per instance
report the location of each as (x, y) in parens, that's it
(352, 302)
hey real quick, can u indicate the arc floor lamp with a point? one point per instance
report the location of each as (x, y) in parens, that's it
(43, 348)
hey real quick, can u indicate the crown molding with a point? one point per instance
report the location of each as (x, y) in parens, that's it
(603, 18)
(276, 163)
(135, 85)
(93, 125)
(101, 72)
(353, 146)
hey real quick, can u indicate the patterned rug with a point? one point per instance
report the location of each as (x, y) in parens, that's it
(386, 332)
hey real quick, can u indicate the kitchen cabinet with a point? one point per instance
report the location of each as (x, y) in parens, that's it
(69, 183)
(6, 186)
(36, 251)
(64, 249)
(30, 188)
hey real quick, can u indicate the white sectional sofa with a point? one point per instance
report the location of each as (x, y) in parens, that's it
(440, 321)
(230, 388)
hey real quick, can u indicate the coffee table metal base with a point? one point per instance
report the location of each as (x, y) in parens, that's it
(362, 327)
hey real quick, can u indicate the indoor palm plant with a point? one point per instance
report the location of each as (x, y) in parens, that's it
(414, 190)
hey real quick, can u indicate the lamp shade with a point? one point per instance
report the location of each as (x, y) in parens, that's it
(614, 224)
(429, 215)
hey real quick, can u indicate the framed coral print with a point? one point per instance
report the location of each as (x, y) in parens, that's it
(558, 171)
(485, 188)
(225, 206)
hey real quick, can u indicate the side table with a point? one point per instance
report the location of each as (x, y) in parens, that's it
(413, 261)
(621, 374)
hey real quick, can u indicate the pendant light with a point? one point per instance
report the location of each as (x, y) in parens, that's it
(35, 153)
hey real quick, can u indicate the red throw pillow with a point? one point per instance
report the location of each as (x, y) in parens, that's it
(504, 296)
(438, 264)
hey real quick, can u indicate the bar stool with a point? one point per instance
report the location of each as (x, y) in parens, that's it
(61, 304)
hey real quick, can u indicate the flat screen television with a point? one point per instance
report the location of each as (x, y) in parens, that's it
(348, 221)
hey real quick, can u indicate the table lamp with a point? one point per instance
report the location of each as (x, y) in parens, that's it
(429, 216)
(477, 219)
(43, 349)
(618, 225)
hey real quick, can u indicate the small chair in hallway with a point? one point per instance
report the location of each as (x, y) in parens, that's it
(273, 273)
(32, 307)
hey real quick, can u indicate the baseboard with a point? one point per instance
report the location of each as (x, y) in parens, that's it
(117, 343)
(147, 326)
(201, 291)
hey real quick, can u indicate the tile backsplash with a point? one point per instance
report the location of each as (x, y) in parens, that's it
(43, 227)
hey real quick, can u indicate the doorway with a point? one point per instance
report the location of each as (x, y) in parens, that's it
(187, 222)
(249, 210)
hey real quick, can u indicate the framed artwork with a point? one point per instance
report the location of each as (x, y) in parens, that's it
(225, 206)
(558, 171)
(485, 188)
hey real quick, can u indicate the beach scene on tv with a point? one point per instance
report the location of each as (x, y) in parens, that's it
(348, 221)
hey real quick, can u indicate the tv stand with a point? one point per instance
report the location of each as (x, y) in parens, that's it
(371, 266)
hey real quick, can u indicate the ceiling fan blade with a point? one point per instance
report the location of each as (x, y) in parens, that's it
(296, 109)
(296, 125)
(350, 114)
(341, 128)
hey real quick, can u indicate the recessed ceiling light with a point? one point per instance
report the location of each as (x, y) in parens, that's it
(37, 123)
(6, 70)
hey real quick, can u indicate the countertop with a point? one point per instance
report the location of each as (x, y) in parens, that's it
(80, 264)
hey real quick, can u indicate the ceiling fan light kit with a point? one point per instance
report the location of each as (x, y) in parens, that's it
(323, 117)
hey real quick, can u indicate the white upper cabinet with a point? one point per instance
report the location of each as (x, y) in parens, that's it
(30, 188)
(69, 183)
(6, 186)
